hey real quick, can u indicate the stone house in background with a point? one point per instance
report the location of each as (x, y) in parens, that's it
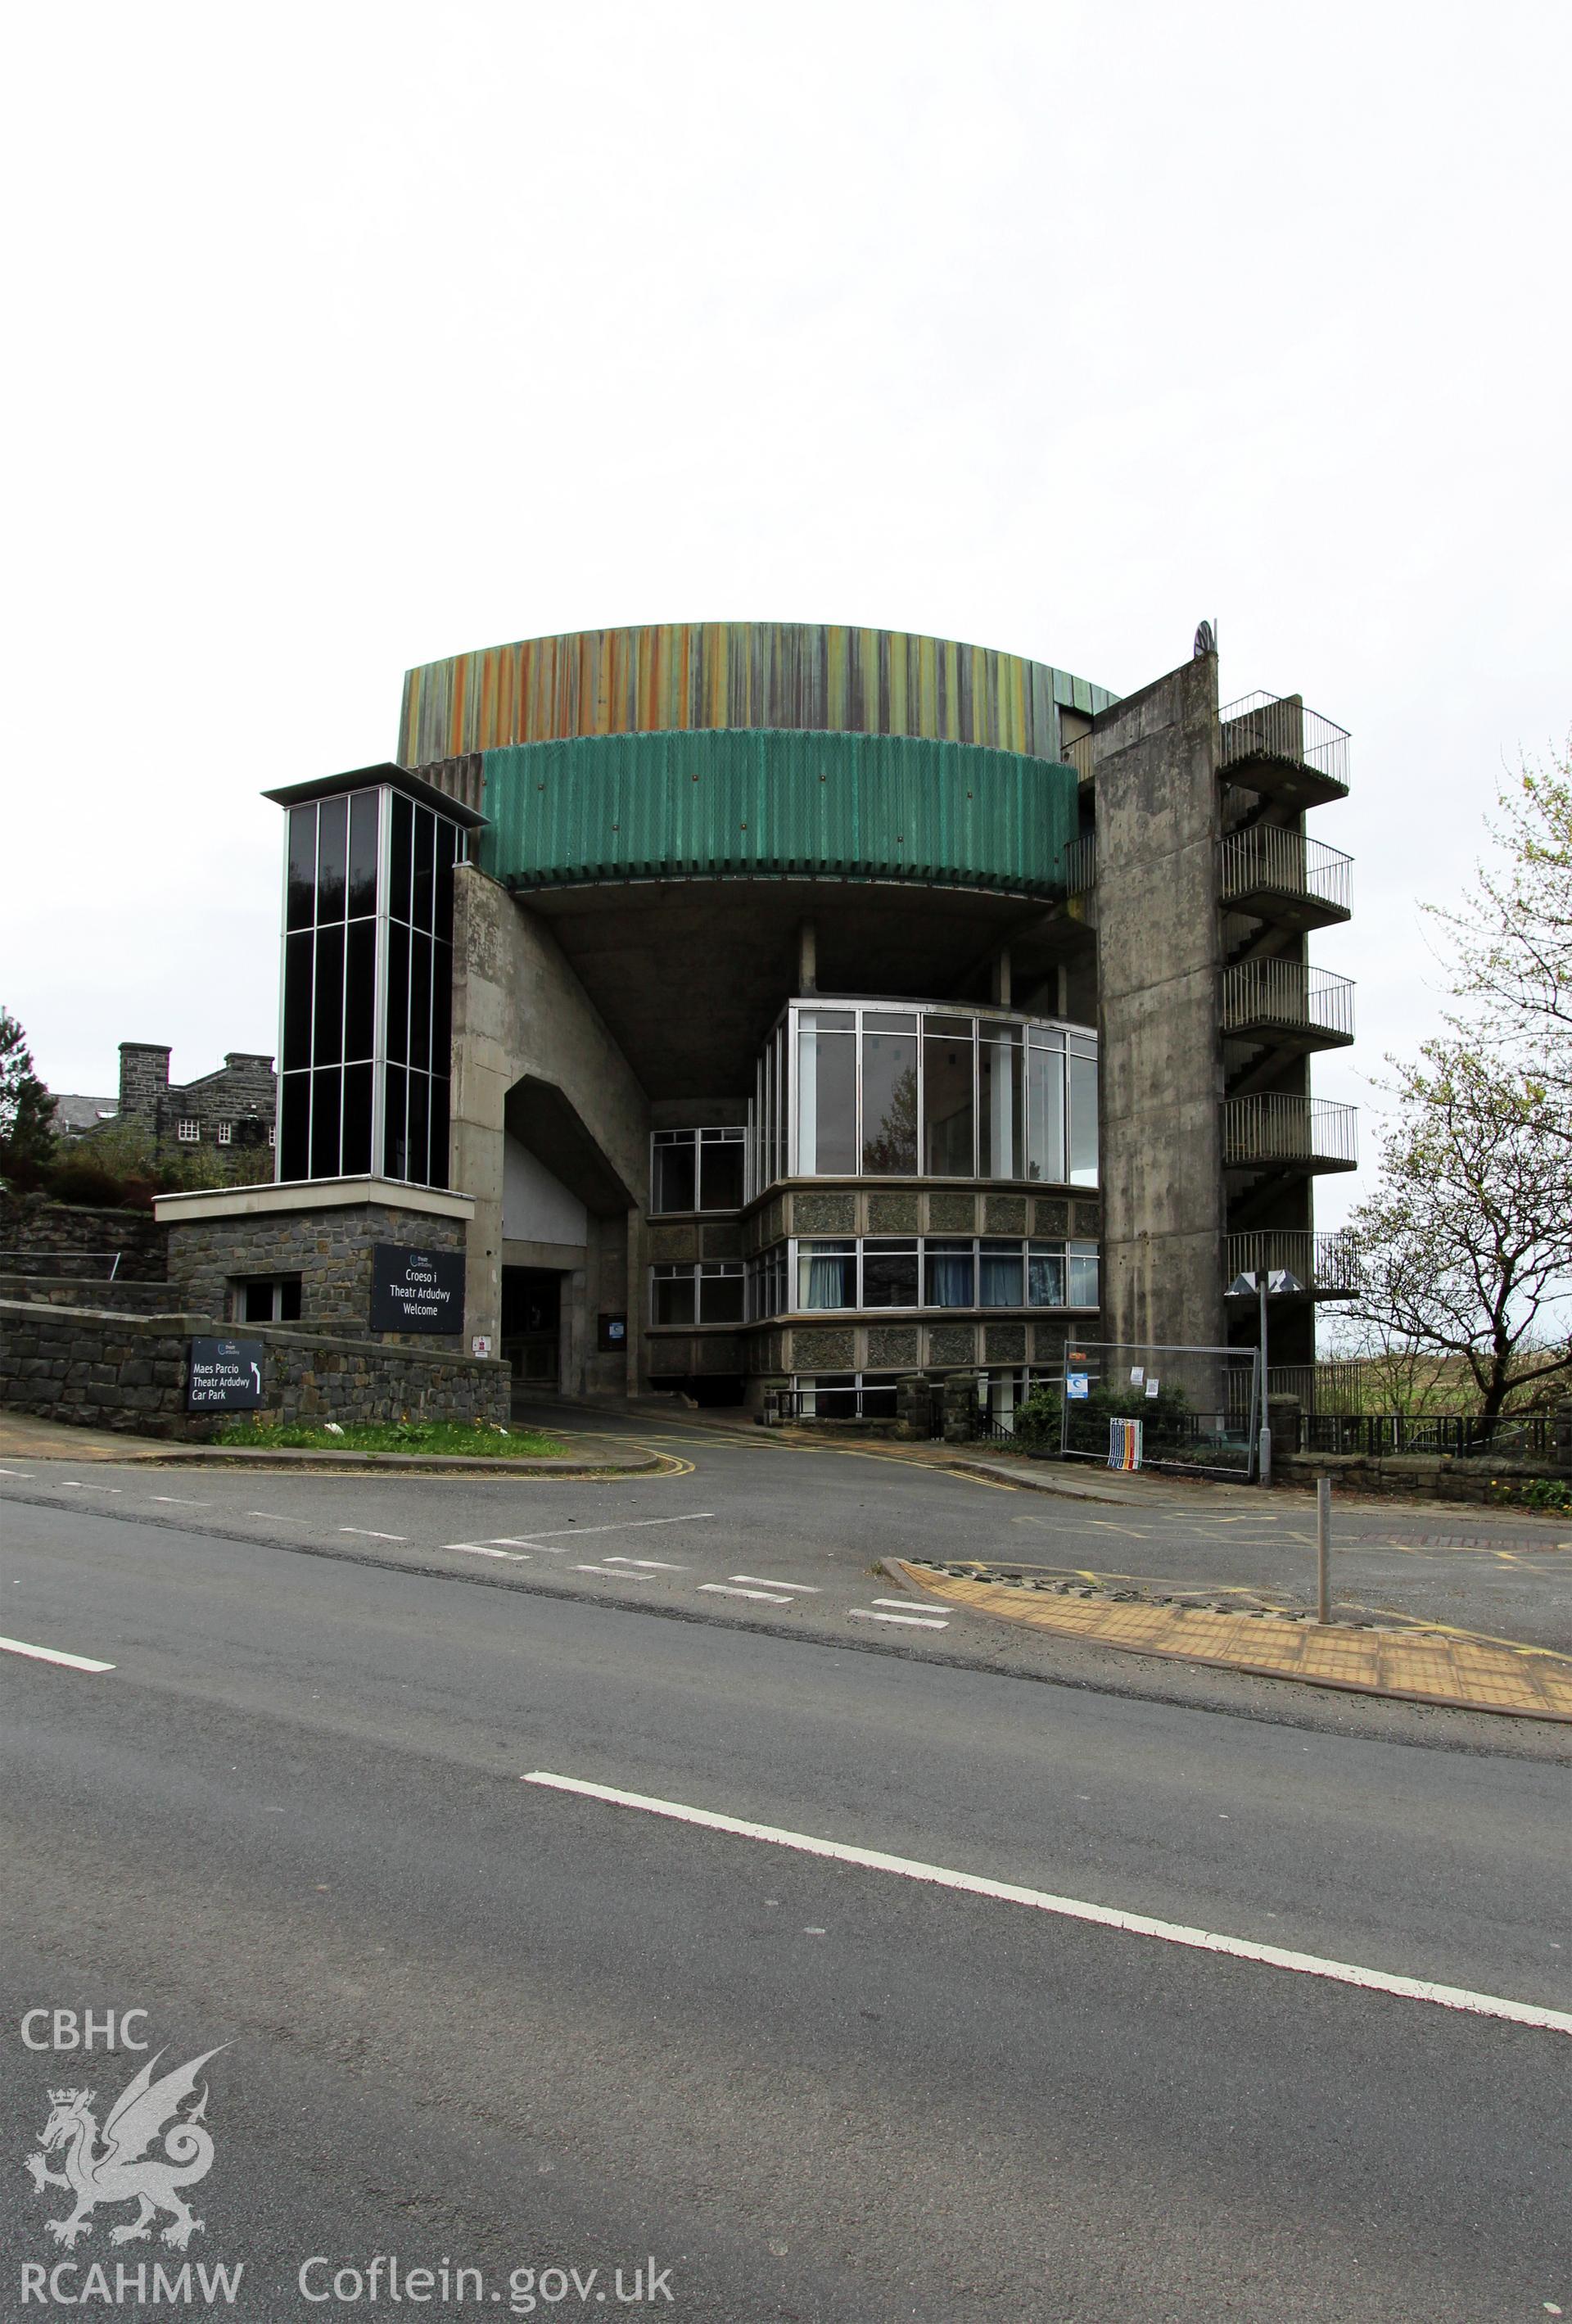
(230, 1111)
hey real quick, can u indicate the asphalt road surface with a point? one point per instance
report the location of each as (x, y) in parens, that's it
(473, 2023)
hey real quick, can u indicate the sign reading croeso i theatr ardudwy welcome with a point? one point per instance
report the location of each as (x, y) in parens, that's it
(415, 1290)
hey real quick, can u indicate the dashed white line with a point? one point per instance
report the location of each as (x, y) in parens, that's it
(15, 1473)
(88, 1485)
(490, 1549)
(52, 1655)
(365, 1534)
(907, 1605)
(616, 1573)
(622, 1524)
(1070, 1908)
(512, 1541)
(765, 1582)
(651, 1565)
(769, 1597)
(178, 1501)
(911, 1621)
(276, 1516)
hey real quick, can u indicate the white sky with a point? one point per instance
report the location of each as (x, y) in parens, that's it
(347, 336)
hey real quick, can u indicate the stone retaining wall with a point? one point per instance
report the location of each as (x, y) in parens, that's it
(1413, 1476)
(107, 1370)
(124, 1297)
(329, 1248)
(73, 1232)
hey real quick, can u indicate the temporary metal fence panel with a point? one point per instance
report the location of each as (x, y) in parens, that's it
(1198, 1407)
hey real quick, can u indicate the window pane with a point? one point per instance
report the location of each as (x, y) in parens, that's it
(832, 1396)
(947, 1106)
(720, 1297)
(721, 1183)
(395, 1145)
(1082, 1121)
(256, 1302)
(826, 1102)
(423, 895)
(1083, 1284)
(325, 1099)
(674, 1297)
(1045, 1098)
(441, 1007)
(298, 954)
(363, 854)
(948, 1274)
(327, 1017)
(1045, 1276)
(290, 1299)
(360, 980)
(1000, 1275)
(332, 852)
(403, 816)
(300, 895)
(999, 1110)
(416, 1167)
(890, 1102)
(421, 1002)
(826, 1275)
(878, 1399)
(437, 1175)
(676, 1169)
(295, 1127)
(356, 1159)
(447, 855)
(889, 1275)
(398, 992)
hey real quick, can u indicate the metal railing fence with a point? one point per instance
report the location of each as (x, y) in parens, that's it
(1279, 726)
(1528, 1436)
(26, 1259)
(1273, 1129)
(1327, 1260)
(1288, 993)
(1268, 860)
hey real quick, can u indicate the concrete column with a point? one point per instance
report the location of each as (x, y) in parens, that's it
(999, 978)
(807, 958)
(1159, 944)
(636, 1301)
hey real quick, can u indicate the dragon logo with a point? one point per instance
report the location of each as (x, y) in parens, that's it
(114, 2166)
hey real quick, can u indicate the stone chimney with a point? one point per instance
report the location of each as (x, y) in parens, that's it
(144, 1081)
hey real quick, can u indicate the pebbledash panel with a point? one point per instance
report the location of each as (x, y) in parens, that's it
(367, 988)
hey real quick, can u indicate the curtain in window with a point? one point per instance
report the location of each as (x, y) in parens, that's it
(829, 1282)
(949, 1279)
(999, 1280)
(1045, 1282)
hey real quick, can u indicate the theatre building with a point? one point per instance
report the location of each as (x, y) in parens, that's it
(757, 1006)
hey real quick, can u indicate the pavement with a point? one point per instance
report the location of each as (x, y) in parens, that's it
(915, 1988)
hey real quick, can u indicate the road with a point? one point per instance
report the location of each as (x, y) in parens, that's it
(473, 2022)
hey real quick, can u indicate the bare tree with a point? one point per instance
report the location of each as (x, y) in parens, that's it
(1512, 938)
(1467, 1241)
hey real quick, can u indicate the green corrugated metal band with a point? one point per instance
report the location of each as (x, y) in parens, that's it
(718, 804)
(724, 675)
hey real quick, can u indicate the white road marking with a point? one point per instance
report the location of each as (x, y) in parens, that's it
(621, 1525)
(52, 1655)
(365, 1534)
(912, 1621)
(616, 1573)
(912, 1606)
(771, 1597)
(765, 1582)
(513, 1541)
(178, 1501)
(275, 1516)
(651, 1565)
(489, 1549)
(1070, 1908)
(15, 1473)
(89, 1485)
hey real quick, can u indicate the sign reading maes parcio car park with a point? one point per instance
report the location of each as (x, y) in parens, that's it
(415, 1290)
(224, 1376)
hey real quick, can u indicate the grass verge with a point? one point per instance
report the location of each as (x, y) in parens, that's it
(479, 1441)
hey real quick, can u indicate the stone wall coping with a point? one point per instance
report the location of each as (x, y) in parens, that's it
(309, 1195)
(273, 1335)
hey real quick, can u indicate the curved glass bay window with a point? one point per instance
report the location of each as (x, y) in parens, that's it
(367, 987)
(813, 1273)
(874, 1089)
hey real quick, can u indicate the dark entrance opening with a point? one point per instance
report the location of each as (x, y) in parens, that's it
(532, 1325)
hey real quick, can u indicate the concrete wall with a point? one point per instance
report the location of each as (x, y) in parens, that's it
(104, 1370)
(536, 1207)
(532, 1058)
(1158, 818)
(312, 1232)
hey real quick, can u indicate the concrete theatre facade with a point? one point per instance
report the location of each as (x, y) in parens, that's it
(773, 1006)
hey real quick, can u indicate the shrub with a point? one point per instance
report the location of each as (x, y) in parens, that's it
(81, 1180)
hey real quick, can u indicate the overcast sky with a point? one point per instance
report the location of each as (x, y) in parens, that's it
(348, 336)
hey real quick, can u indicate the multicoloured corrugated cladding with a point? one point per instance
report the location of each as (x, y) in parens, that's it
(778, 675)
(728, 805)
